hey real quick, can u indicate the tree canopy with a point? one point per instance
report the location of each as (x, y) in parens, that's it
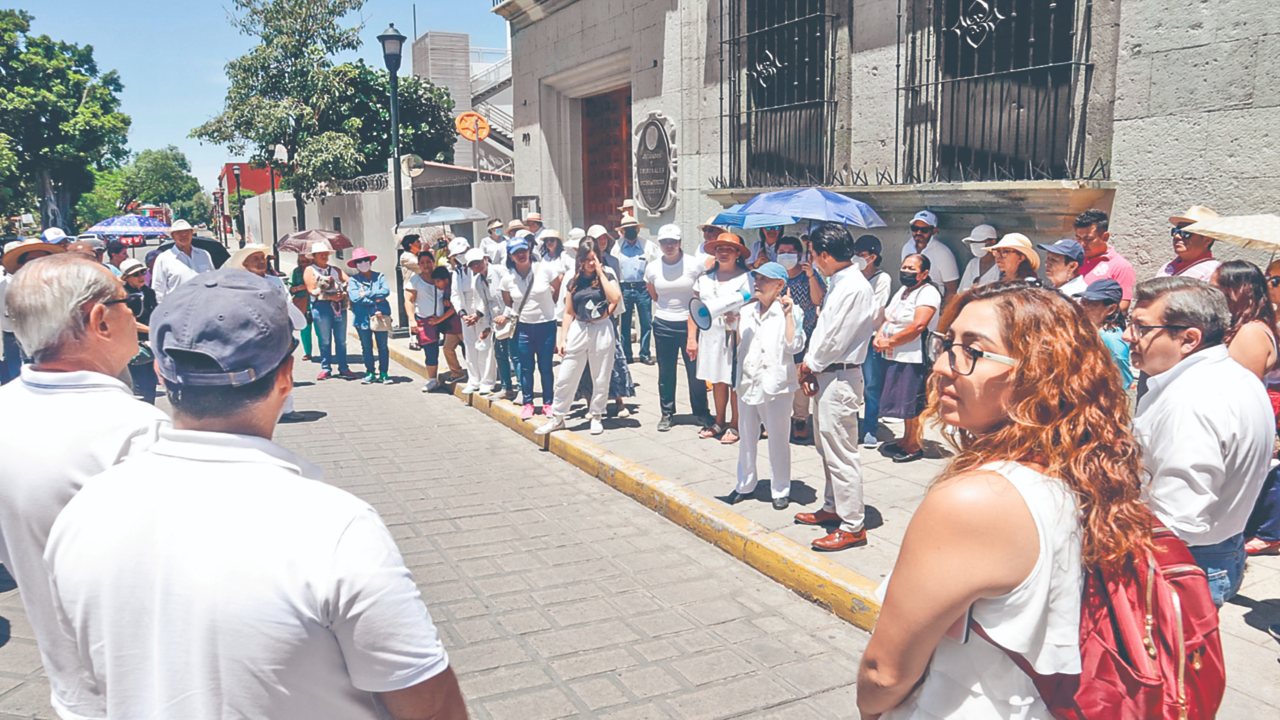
(60, 121)
(161, 176)
(331, 119)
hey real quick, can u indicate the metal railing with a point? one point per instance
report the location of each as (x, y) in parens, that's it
(777, 97)
(499, 120)
(993, 90)
(491, 80)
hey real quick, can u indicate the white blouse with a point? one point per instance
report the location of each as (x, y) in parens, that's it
(541, 306)
(900, 313)
(766, 361)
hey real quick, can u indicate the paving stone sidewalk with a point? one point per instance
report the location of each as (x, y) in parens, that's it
(556, 596)
(892, 493)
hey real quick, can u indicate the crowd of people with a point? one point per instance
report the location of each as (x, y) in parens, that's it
(1084, 406)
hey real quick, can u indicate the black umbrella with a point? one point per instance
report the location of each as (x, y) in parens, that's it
(209, 245)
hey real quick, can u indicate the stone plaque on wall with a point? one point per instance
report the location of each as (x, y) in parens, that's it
(655, 164)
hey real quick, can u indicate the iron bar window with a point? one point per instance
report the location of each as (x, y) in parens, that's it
(777, 94)
(992, 89)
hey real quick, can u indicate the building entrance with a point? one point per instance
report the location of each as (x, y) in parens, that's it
(606, 156)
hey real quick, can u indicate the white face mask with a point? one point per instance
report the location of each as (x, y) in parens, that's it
(364, 265)
(788, 260)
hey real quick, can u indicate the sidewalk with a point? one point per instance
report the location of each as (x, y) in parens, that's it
(680, 476)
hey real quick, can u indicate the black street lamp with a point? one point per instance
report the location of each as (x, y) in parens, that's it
(392, 48)
(235, 170)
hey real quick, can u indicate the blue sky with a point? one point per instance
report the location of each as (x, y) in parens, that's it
(171, 53)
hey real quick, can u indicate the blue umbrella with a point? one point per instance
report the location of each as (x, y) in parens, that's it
(131, 225)
(443, 215)
(814, 204)
(734, 217)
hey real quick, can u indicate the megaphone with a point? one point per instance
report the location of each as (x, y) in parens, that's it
(705, 313)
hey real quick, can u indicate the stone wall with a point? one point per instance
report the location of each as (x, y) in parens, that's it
(1197, 118)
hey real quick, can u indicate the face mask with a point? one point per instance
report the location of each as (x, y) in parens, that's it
(364, 265)
(788, 260)
(631, 233)
(908, 279)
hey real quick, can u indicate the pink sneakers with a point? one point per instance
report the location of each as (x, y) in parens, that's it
(526, 412)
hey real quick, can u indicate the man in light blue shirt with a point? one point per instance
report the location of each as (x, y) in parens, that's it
(634, 255)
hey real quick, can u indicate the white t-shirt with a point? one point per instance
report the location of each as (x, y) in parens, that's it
(428, 301)
(1074, 286)
(971, 276)
(942, 263)
(541, 306)
(65, 428)
(901, 312)
(673, 284)
(882, 288)
(216, 576)
(174, 267)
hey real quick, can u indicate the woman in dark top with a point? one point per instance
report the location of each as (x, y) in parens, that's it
(141, 300)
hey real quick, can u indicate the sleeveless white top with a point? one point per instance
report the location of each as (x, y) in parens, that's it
(1039, 619)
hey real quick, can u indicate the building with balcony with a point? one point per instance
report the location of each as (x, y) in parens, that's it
(1019, 113)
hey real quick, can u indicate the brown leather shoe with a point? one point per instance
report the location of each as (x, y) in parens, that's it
(840, 540)
(816, 518)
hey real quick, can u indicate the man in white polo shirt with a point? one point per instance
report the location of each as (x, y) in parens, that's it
(179, 263)
(71, 420)
(942, 263)
(215, 575)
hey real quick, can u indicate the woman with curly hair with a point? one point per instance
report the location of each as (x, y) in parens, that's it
(1251, 340)
(1034, 408)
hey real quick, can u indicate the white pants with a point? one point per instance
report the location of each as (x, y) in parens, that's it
(774, 413)
(585, 345)
(835, 432)
(482, 365)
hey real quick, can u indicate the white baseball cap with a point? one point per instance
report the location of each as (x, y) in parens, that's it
(926, 217)
(595, 232)
(978, 237)
(575, 239)
(54, 235)
(473, 255)
(669, 232)
(458, 246)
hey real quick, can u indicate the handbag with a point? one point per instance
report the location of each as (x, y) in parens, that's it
(380, 322)
(428, 334)
(508, 331)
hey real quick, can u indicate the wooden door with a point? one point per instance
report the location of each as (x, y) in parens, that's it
(606, 157)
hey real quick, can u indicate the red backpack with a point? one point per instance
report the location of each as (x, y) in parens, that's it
(1149, 643)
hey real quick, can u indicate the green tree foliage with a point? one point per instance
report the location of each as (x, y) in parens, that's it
(426, 115)
(60, 120)
(196, 209)
(106, 198)
(156, 177)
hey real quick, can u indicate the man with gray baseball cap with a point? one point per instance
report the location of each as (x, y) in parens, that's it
(257, 589)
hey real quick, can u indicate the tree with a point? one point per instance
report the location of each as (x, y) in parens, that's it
(60, 118)
(107, 198)
(426, 116)
(235, 203)
(196, 209)
(161, 176)
(281, 87)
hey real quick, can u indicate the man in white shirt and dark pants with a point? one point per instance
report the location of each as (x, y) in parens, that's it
(836, 352)
(942, 262)
(216, 575)
(1205, 424)
(71, 420)
(179, 263)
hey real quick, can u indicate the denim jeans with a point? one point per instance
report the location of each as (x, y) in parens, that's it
(671, 339)
(873, 377)
(508, 364)
(331, 332)
(1224, 564)
(144, 381)
(536, 343)
(367, 340)
(1264, 522)
(636, 301)
(12, 366)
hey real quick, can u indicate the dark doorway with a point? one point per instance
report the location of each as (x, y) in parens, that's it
(606, 156)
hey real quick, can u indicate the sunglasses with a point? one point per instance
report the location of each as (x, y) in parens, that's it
(916, 230)
(1178, 233)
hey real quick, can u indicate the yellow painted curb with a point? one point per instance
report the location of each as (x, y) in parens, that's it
(848, 595)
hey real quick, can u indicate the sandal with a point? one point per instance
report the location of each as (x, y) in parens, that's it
(730, 436)
(1258, 546)
(711, 431)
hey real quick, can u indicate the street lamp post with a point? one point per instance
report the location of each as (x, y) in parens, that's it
(235, 170)
(278, 155)
(392, 47)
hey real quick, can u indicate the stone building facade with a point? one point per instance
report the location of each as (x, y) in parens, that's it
(1019, 113)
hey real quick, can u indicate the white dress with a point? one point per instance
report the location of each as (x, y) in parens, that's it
(715, 351)
(1039, 619)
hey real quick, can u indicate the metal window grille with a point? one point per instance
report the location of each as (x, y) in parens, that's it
(777, 97)
(992, 89)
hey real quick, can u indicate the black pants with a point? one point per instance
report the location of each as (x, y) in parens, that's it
(671, 339)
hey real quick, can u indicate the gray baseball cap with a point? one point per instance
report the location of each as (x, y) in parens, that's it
(234, 318)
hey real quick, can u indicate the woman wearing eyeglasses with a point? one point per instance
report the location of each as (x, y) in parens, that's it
(901, 341)
(1251, 339)
(1038, 447)
(1017, 258)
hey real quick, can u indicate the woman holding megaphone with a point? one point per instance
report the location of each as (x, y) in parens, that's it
(714, 348)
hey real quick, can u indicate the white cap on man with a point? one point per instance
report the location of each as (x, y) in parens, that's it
(473, 255)
(595, 232)
(926, 217)
(458, 246)
(669, 232)
(978, 239)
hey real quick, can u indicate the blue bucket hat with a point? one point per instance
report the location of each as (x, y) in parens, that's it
(232, 317)
(772, 270)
